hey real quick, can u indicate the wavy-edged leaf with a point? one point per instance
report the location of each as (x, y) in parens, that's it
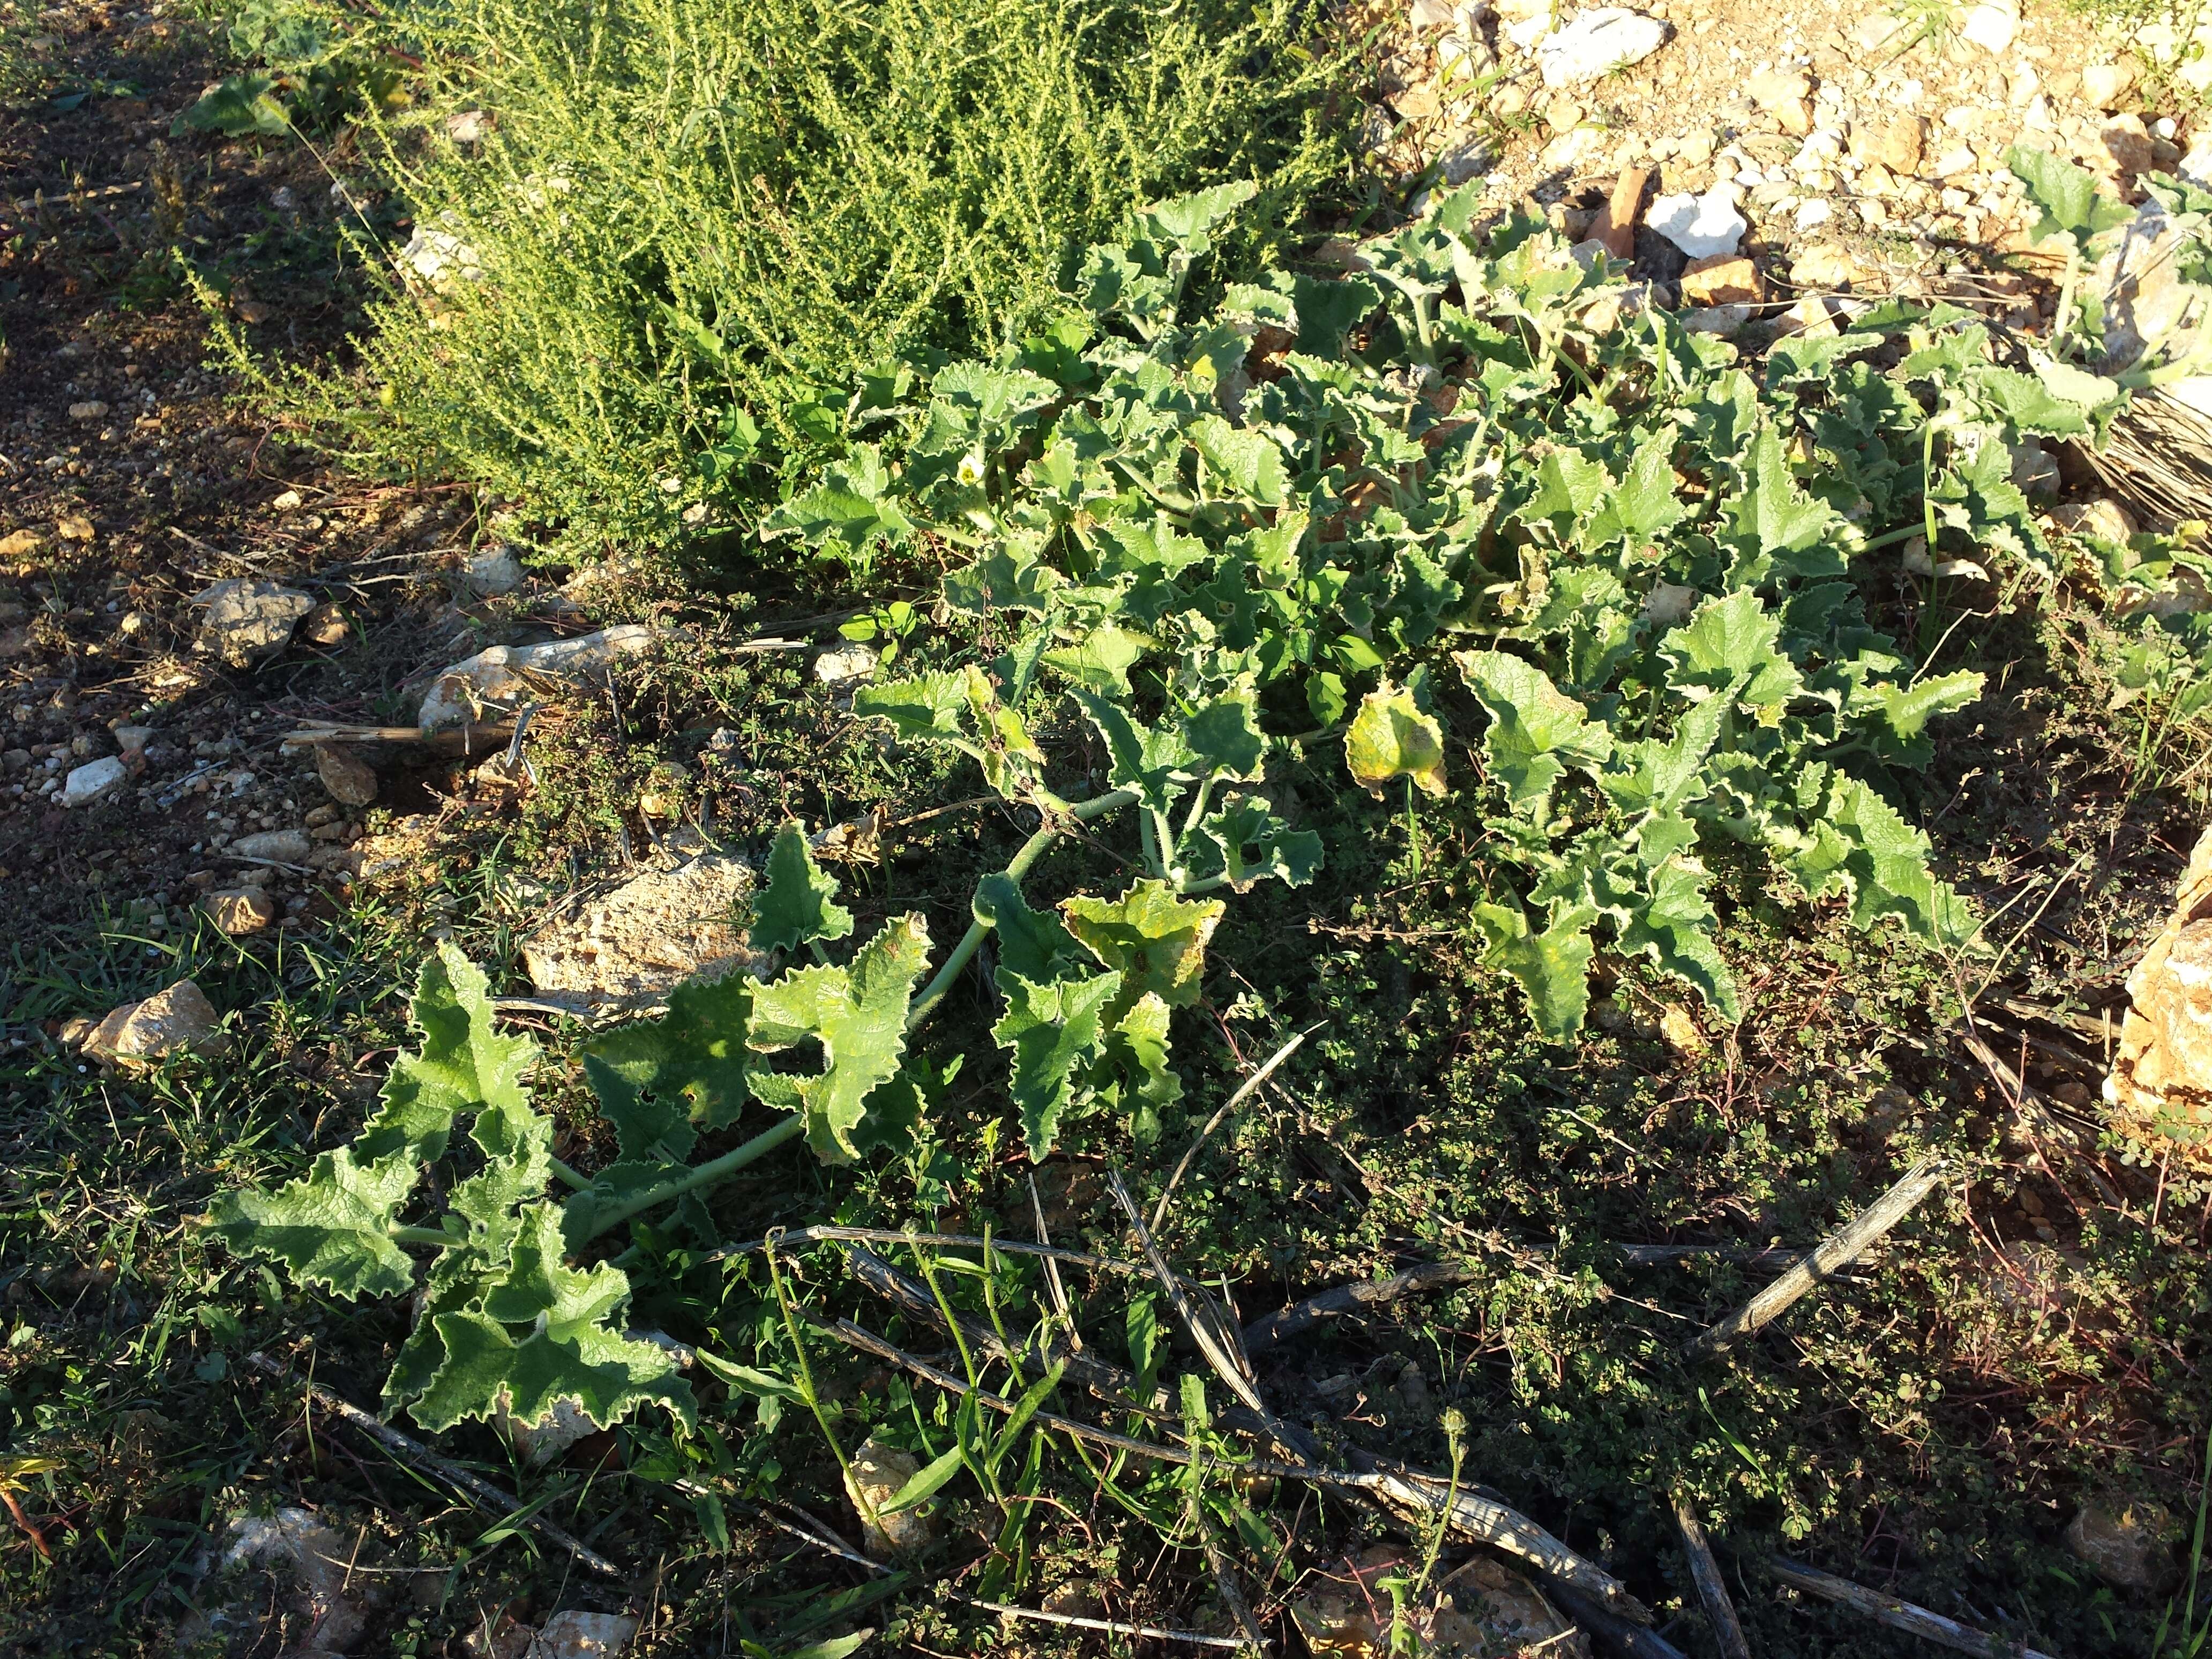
(1667, 917)
(1054, 1029)
(543, 1332)
(1731, 648)
(1102, 659)
(1144, 758)
(1553, 967)
(1244, 459)
(1391, 737)
(1032, 944)
(693, 1060)
(1863, 846)
(331, 1227)
(848, 512)
(1536, 730)
(1157, 938)
(858, 1015)
(925, 709)
(799, 904)
(1244, 841)
(1224, 735)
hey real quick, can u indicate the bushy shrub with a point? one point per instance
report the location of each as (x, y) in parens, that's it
(682, 220)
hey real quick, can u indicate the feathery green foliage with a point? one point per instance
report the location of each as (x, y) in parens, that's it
(694, 222)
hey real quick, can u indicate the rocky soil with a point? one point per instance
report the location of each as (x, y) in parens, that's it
(1864, 151)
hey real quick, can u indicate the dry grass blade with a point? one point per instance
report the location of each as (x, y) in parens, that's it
(1832, 1255)
(414, 1451)
(1896, 1613)
(1472, 1511)
(1244, 1091)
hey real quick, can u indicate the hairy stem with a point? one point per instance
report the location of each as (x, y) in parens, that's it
(706, 1175)
(1018, 867)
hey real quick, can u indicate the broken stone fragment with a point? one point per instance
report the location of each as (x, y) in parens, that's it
(2106, 86)
(1701, 226)
(177, 1020)
(572, 1635)
(284, 846)
(878, 1473)
(502, 676)
(248, 620)
(491, 573)
(1480, 1610)
(92, 781)
(845, 665)
(320, 1565)
(350, 780)
(2161, 1088)
(237, 911)
(2124, 1544)
(1722, 279)
(1596, 43)
(648, 936)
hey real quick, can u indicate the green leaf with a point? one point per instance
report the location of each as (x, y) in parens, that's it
(858, 1014)
(1137, 1045)
(1661, 776)
(1145, 759)
(463, 1064)
(925, 1483)
(1553, 967)
(1644, 506)
(1187, 221)
(848, 512)
(1908, 708)
(331, 1227)
(2030, 404)
(692, 1061)
(1244, 459)
(1775, 524)
(1670, 921)
(1053, 1029)
(799, 903)
(1102, 661)
(566, 1349)
(1245, 842)
(1536, 732)
(1329, 310)
(924, 709)
(1391, 737)
(236, 105)
(1730, 650)
(1032, 944)
(2067, 196)
(1888, 866)
(1155, 936)
(1224, 735)
(1018, 1421)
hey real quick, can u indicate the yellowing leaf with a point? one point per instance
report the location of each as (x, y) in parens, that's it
(1157, 938)
(1391, 737)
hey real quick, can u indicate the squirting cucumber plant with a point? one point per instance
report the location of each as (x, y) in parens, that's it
(1480, 483)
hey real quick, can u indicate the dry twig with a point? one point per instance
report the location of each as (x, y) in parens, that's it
(1837, 1251)
(1897, 1614)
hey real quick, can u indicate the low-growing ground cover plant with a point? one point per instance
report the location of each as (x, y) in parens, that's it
(1474, 517)
(676, 231)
